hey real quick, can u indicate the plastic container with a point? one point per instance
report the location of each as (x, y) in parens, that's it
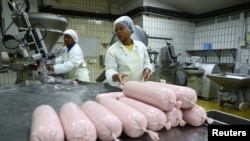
(207, 46)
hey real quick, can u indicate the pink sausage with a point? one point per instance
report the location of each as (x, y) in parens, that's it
(196, 116)
(155, 95)
(46, 125)
(186, 95)
(155, 117)
(77, 126)
(114, 95)
(175, 117)
(134, 123)
(108, 126)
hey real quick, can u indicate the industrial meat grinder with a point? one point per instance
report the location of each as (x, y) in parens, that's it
(235, 89)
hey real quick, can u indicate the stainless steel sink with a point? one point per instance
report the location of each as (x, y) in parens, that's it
(231, 80)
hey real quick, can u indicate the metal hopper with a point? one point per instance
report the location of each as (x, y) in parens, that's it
(231, 80)
(50, 24)
(235, 89)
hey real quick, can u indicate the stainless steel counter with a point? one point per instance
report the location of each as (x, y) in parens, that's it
(18, 102)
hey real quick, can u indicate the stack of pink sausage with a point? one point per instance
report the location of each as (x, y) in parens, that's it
(85, 123)
(178, 102)
(142, 107)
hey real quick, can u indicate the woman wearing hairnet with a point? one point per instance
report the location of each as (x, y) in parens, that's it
(126, 59)
(71, 62)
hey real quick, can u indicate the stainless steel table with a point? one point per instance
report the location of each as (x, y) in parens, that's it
(18, 102)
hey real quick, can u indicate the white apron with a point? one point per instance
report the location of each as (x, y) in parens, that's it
(80, 73)
(132, 65)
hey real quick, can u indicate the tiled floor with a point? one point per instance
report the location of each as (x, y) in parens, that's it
(228, 108)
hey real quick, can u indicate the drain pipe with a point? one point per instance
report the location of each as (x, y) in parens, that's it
(241, 38)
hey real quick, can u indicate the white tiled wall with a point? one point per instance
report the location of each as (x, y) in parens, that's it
(99, 29)
(185, 34)
(7, 78)
(180, 31)
(221, 35)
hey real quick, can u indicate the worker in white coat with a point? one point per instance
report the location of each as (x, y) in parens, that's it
(126, 59)
(71, 62)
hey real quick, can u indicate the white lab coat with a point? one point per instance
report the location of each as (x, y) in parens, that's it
(72, 64)
(120, 60)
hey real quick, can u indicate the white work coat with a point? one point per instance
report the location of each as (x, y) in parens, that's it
(119, 59)
(72, 64)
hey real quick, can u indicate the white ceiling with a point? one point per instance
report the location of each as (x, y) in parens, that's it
(202, 6)
(196, 7)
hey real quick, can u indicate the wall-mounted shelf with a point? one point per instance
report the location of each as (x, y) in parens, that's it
(217, 52)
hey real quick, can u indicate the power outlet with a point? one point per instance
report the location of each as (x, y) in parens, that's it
(242, 43)
(247, 37)
(92, 61)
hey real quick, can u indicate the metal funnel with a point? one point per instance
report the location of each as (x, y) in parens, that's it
(54, 24)
(231, 80)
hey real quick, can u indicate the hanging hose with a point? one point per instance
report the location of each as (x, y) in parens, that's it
(24, 2)
(18, 13)
(12, 6)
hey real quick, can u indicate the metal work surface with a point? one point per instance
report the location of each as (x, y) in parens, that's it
(186, 133)
(18, 102)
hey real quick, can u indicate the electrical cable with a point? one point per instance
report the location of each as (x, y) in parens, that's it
(32, 26)
(27, 34)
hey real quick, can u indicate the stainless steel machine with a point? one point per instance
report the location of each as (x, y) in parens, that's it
(28, 49)
(234, 89)
(197, 73)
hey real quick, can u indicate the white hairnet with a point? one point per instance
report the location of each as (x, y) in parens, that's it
(72, 33)
(126, 21)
